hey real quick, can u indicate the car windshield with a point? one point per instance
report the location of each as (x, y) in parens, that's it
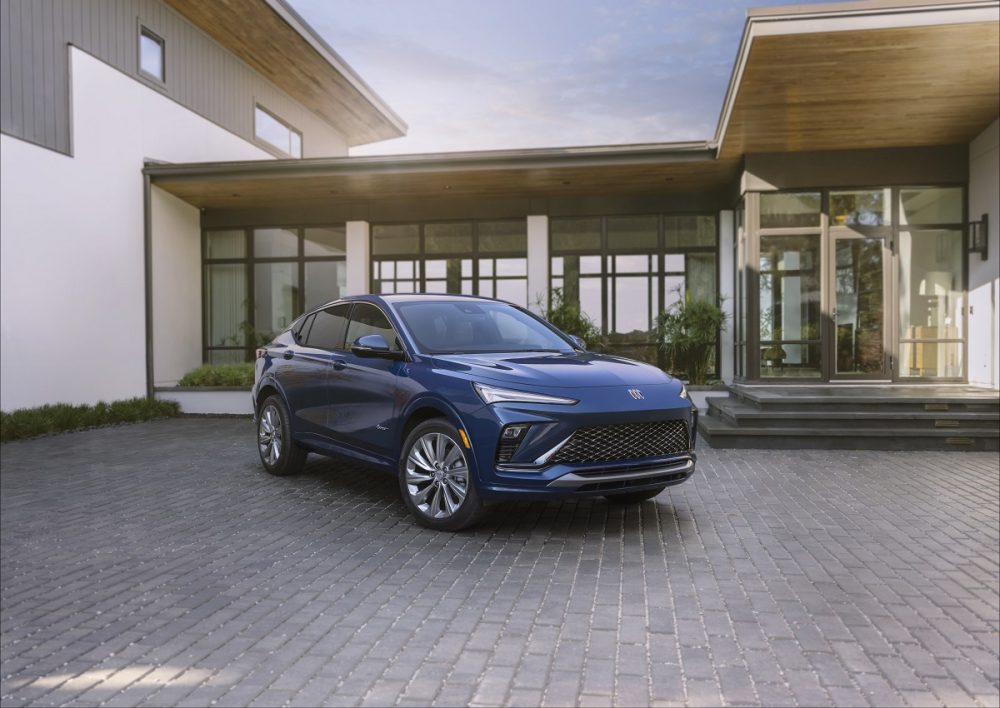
(474, 327)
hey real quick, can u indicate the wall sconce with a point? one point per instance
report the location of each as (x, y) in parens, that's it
(979, 237)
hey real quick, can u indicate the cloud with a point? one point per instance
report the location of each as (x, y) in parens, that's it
(475, 76)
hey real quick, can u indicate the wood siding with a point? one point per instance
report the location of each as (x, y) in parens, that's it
(35, 36)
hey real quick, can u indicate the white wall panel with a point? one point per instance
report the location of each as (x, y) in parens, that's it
(72, 312)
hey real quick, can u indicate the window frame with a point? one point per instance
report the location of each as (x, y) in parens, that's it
(267, 144)
(609, 273)
(144, 31)
(420, 256)
(249, 261)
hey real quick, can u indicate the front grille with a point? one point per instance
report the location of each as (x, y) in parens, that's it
(625, 441)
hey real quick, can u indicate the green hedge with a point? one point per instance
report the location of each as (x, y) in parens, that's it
(63, 417)
(234, 375)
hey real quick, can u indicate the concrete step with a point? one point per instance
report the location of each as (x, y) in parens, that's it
(873, 398)
(721, 433)
(738, 412)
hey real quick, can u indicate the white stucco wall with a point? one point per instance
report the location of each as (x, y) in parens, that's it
(72, 313)
(984, 276)
(177, 314)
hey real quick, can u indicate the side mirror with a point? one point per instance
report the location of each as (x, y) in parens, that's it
(374, 345)
(578, 342)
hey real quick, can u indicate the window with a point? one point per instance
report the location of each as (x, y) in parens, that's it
(257, 281)
(486, 258)
(368, 319)
(151, 55)
(277, 133)
(328, 328)
(623, 271)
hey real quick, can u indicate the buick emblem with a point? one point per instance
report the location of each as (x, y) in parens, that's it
(635, 393)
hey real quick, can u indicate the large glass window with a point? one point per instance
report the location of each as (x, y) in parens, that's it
(790, 306)
(257, 281)
(931, 303)
(623, 271)
(487, 258)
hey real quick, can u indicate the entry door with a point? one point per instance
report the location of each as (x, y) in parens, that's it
(859, 322)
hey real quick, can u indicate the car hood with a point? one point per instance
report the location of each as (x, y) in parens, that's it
(559, 370)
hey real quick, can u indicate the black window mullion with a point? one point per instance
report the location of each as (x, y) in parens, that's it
(251, 295)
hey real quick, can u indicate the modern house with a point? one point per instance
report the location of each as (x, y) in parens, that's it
(176, 185)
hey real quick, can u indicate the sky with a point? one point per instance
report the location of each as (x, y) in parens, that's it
(502, 74)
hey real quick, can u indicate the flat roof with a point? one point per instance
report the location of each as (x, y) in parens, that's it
(276, 42)
(853, 75)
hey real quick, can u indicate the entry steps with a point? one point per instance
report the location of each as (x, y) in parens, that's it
(853, 418)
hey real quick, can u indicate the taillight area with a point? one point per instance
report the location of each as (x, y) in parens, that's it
(510, 439)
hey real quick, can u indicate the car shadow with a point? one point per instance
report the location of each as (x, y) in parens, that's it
(356, 485)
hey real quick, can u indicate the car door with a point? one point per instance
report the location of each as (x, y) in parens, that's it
(363, 406)
(309, 369)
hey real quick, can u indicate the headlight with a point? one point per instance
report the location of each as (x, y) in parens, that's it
(491, 394)
(684, 391)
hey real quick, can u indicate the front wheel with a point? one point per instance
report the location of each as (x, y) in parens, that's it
(435, 478)
(634, 497)
(278, 452)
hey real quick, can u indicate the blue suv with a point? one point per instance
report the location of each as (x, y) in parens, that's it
(467, 400)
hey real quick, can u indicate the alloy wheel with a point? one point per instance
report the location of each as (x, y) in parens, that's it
(269, 435)
(437, 475)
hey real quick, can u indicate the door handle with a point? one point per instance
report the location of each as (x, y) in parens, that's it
(339, 365)
(288, 354)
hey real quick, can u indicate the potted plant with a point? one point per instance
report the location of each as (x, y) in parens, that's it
(687, 333)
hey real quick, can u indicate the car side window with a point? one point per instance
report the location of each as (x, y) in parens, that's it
(368, 319)
(301, 330)
(328, 328)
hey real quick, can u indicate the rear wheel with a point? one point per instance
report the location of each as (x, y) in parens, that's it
(278, 452)
(435, 478)
(634, 497)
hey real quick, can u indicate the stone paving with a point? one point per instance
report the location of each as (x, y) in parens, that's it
(157, 564)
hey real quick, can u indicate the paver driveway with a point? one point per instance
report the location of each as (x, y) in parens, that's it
(158, 564)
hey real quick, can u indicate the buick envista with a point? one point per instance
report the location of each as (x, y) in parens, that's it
(468, 400)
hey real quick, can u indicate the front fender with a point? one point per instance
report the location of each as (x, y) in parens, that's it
(432, 401)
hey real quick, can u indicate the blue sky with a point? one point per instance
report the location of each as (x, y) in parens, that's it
(497, 74)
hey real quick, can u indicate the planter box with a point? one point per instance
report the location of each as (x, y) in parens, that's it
(209, 400)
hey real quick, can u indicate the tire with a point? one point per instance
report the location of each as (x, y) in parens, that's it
(634, 497)
(279, 453)
(435, 479)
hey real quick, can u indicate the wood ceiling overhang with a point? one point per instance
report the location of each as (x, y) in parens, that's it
(891, 77)
(270, 37)
(867, 83)
(502, 174)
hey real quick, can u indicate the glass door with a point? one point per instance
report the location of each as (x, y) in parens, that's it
(858, 307)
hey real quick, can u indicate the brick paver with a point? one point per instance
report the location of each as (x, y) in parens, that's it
(158, 564)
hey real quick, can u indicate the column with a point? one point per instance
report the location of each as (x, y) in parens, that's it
(538, 262)
(727, 227)
(359, 265)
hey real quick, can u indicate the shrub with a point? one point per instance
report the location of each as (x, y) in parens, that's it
(687, 333)
(567, 317)
(63, 417)
(234, 375)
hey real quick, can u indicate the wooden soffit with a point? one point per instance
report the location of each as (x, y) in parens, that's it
(352, 180)
(274, 41)
(894, 87)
